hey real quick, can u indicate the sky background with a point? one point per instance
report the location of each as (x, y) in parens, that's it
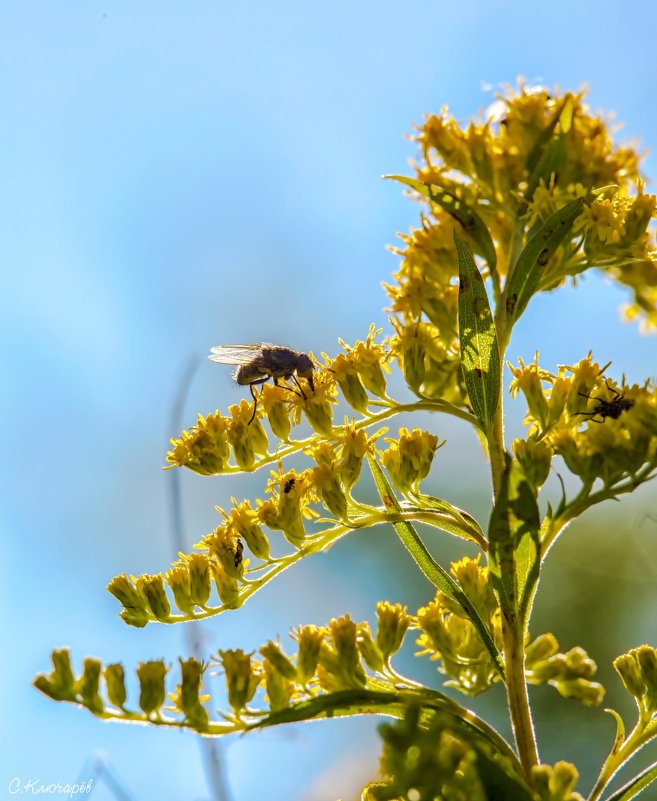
(179, 175)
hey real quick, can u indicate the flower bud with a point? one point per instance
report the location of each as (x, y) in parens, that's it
(355, 446)
(152, 691)
(241, 679)
(127, 594)
(528, 379)
(199, 578)
(227, 587)
(273, 653)
(60, 684)
(543, 647)
(319, 414)
(225, 545)
(277, 411)
(153, 589)
(244, 519)
(204, 448)
(535, 459)
(589, 693)
(347, 659)
(279, 688)
(412, 363)
(247, 436)
(89, 685)
(393, 623)
(369, 650)
(631, 675)
(290, 518)
(188, 695)
(647, 659)
(177, 578)
(115, 682)
(309, 639)
(326, 478)
(409, 459)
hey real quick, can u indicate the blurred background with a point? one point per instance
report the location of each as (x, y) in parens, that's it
(179, 175)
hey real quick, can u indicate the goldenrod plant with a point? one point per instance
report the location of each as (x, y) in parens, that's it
(523, 201)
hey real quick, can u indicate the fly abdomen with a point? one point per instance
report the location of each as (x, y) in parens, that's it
(248, 373)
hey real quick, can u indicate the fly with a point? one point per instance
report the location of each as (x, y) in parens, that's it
(256, 364)
(613, 408)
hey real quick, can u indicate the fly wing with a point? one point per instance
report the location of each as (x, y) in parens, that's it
(235, 354)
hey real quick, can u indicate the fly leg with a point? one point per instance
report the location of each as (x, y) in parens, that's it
(289, 389)
(255, 397)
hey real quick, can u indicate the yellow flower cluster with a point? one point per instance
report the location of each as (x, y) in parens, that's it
(208, 446)
(291, 502)
(408, 459)
(497, 153)
(531, 154)
(570, 673)
(601, 429)
(329, 658)
(638, 672)
(448, 634)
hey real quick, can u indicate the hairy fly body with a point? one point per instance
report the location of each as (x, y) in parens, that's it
(256, 364)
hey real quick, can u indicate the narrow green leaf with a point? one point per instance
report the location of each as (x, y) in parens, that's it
(514, 544)
(480, 357)
(394, 702)
(470, 221)
(547, 154)
(527, 272)
(466, 524)
(496, 764)
(620, 730)
(636, 785)
(437, 575)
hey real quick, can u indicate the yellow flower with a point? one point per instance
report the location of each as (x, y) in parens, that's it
(275, 402)
(205, 448)
(247, 437)
(408, 459)
(224, 544)
(243, 519)
(317, 406)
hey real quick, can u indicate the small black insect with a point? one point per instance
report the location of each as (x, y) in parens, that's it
(288, 485)
(613, 408)
(258, 363)
(239, 550)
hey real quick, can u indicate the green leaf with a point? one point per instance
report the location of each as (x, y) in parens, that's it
(547, 154)
(437, 575)
(470, 221)
(636, 785)
(527, 272)
(450, 518)
(480, 357)
(376, 700)
(620, 730)
(514, 544)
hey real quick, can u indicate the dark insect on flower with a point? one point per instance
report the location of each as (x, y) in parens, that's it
(604, 408)
(256, 364)
(288, 485)
(239, 550)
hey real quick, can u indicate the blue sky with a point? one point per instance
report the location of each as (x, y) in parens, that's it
(180, 175)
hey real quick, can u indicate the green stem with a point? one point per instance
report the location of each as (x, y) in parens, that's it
(517, 697)
(512, 631)
(586, 499)
(637, 738)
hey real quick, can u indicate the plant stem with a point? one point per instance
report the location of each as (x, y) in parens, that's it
(615, 761)
(513, 634)
(516, 690)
